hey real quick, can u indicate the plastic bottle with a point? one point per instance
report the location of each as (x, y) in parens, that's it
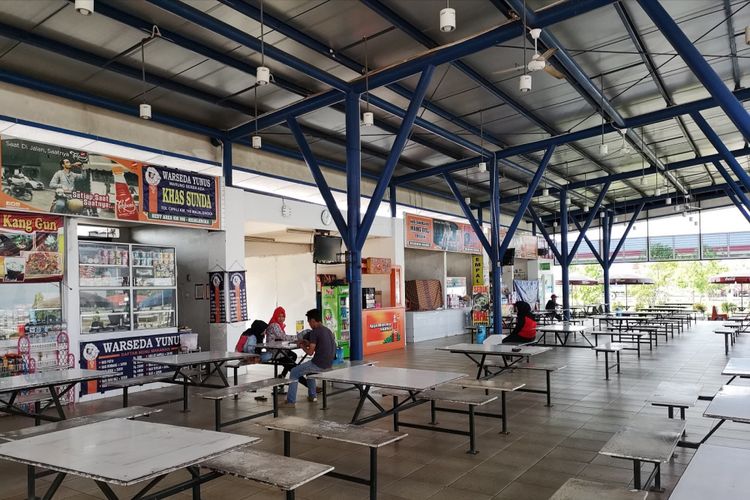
(124, 205)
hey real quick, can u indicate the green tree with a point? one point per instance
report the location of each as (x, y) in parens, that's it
(587, 294)
(660, 251)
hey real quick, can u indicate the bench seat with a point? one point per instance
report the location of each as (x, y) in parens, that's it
(126, 383)
(610, 347)
(218, 395)
(284, 473)
(581, 489)
(548, 368)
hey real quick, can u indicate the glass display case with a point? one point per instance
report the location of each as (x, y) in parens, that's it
(126, 287)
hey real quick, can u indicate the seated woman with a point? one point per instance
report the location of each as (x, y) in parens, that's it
(255, 335)
(276, 332)
(525, 329)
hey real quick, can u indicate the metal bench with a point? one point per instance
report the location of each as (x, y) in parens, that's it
(646, 440)
(457, 397)
(284, 473)
(494, 385)
(547, 368)
(218, 395)
(130, 412)
(631, 338)
(372, 438)
(127, 383)
(606, 349)
(580, 489)
(729, 334)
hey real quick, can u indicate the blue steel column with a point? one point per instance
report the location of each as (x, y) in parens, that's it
(496, 279)
(606, 240)
(353, 178)
(564, 253)
(392, 200)
(226, 165)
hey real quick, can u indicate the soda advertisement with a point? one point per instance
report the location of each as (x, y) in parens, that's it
(42, 178)
(31, 248)
(383, 330)
(435, 234)
(117, 356)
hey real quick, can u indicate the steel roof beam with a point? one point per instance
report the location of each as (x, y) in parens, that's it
(640, 47)
(637, 121)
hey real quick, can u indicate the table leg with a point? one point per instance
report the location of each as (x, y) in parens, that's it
(606, 365)
(185, 403)
(472, 432)
(395, 414)
(217, 411)
(670, 412)
(618, 361)
(549, 389)
(325, 395)
(637, 474)
(505, 416)
(363, 393)
(373, 473)
(56, 400)
(217, 369)
(196, 473)
(275, 401)
(433, 413)
(290, 495)
(31, 483)
(287, 444)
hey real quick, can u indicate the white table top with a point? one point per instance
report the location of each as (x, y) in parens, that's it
(732, 402)
(56, 377)
(194, 358)
(718, 472)
(345, 433)
(676, 394)
(607, 317)
(279, 345)
(580, 489)
(496, 349)
(392, 378)
(737, 366)
(122, 452)
(562, 328)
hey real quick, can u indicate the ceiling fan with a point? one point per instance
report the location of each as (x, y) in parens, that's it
(538, 61)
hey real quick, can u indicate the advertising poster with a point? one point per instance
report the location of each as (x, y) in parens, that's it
(435, 234)
(237, 297)
(383, 330)
(117, 356)
(31, 248)
(526, 247)
(42, 178)
(477, 270)
(480, 305)
(217, 297)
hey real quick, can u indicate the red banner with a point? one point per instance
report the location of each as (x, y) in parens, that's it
(31, 248)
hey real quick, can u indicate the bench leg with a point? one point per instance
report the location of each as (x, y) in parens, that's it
(606, 365)
(472, 432)
(637, 474)
(37, 410)
(657, 478)
(549, 389)
(433, 413)
(373, 473)
(325, 395)
(217, 411)
(618, 361)
(682, 413)
(235, 369)
(726, 345)
(287, 444)
(185, 407)
(290, 495)
(670, 411)
(395, 414)
(505, 416)
(124, 397)
(275, 401)
(31, 482)
(638, 347)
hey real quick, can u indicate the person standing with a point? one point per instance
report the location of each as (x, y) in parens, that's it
(321, 345)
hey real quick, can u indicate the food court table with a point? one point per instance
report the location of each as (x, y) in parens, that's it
(123, 452)
(737, 367)
(365, 377)
(511, 354)
(281, 354)
(562, 332)
(715, 472)
(732, 402)
(209, 363)
(58, 383)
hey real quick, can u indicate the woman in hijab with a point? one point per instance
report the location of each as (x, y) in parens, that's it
(276, 332)
(525, 329)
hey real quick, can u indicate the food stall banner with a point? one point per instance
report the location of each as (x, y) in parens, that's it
(116, 355)
(480, 305)
(383, 329)
(227, 296)
(237, 296)
(217, 297)
(42, 178)
(31, 248)
(436, 234)
(477, 270)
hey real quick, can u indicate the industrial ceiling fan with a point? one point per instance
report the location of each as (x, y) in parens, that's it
(538, 61)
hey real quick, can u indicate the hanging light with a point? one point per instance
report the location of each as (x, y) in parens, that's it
(256, 142)
(586, 208)
(657, 192)
(263, 75)
(447, 18)
(668, 201)
(263, 72)
(368, 119)
(85, 7)
(603, 149)
(467, 200)
(554, 224)
(545, 191)
(144, 111)
(482, 167)
(524, 83)
(144, 108)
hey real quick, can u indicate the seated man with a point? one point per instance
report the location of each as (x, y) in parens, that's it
(321, 345)
(551, 307)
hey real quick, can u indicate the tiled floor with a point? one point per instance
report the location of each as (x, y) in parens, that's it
(545, 446)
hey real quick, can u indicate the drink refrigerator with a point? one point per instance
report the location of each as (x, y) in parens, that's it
(335, 303)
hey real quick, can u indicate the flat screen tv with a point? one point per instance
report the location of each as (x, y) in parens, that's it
(510, 254)
(326, 249)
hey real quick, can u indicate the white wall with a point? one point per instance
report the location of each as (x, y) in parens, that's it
(281, 280)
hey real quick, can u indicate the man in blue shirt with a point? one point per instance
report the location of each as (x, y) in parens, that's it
(321, 345)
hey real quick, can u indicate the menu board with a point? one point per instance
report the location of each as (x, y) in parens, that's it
(117, 356)
(436, 234)
(237, 297)
(39, 177)
(217, 297)
(31, 248)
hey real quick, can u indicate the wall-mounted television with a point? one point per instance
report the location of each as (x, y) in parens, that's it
(326, 249)
(510, 254)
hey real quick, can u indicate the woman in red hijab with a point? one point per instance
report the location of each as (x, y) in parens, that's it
(276, 332)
